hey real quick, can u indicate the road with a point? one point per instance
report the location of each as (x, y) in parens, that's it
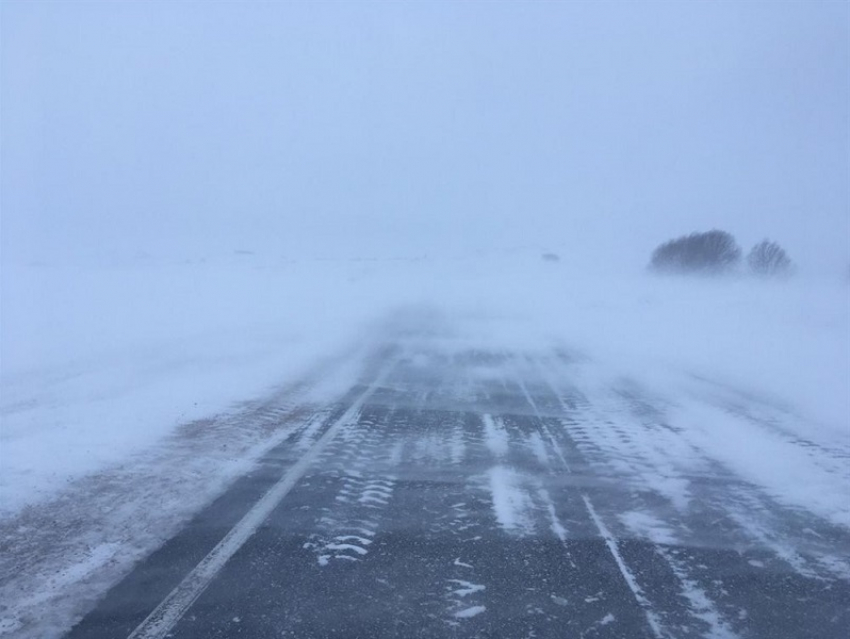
(484, 494)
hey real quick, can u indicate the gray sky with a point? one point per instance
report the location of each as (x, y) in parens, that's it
(387, 129)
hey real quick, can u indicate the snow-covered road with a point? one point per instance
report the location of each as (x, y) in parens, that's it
(465, 492)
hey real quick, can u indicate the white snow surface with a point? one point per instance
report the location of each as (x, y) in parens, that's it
(495, 435)
(101, 368)
(512, 504)
(98, 363)
(472, 611)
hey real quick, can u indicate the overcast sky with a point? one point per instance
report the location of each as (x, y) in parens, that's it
(441, 128)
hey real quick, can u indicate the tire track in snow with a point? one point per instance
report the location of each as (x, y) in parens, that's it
(474, 508)
(727, 512)
(362, 465)
(610, 541)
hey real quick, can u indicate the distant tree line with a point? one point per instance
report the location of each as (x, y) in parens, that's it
(717, 253)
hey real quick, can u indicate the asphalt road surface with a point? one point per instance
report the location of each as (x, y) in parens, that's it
(481, 494)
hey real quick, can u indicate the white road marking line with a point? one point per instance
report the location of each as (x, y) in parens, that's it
(611, 542)
(163, 618)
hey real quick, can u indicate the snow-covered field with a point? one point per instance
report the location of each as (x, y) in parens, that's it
(136, 374)
(100, 363)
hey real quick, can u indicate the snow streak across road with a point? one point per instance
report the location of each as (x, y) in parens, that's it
(482, 494)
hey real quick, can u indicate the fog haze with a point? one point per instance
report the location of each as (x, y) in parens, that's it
(339, 247)
(383, 130)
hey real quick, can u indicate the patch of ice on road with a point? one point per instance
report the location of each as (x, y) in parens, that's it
(495, 435)
(466, 587)
(645, 525)
(472, 611)
(511, 503)
(538, 447)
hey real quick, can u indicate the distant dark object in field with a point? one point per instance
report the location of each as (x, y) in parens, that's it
(551, 257)
(710, 253)
(768, 259)
(243, 252)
